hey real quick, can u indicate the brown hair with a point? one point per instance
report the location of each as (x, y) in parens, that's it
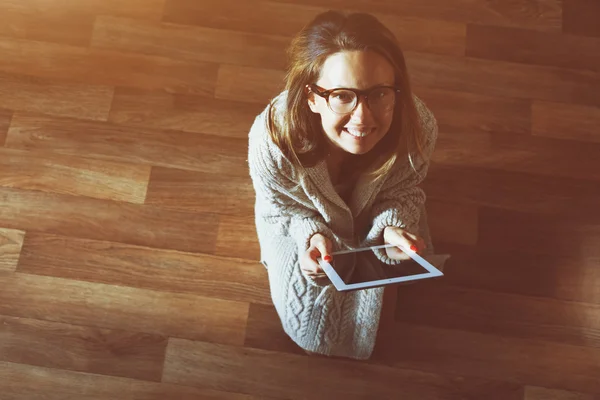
(300, 135)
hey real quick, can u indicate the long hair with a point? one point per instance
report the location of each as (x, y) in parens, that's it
(300, 135)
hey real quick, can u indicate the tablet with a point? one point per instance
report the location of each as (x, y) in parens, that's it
(365, 268)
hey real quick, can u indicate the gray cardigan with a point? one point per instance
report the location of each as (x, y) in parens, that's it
(289, 210)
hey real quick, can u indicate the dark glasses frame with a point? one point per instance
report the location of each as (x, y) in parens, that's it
(321, 92)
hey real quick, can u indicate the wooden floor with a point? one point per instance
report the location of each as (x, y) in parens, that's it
(128, 255)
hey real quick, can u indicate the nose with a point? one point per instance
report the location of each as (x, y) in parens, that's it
(362, 110)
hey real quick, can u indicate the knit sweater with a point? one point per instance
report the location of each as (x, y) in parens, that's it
(290, 208)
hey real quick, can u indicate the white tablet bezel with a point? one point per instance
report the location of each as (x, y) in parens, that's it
(340, 285)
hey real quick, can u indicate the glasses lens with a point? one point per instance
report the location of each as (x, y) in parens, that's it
(342, 101)
(382, 99)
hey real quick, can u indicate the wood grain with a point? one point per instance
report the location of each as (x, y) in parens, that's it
(255, 371)
(182, 42)
(141, 267)
(237, 237)
(580, 17)
(26, 382)
(107, 220)
(201, 192)
(537, 14)
(516, 360)
(454, 223)
(509, 315)
(111, 68)
(264, 331)
(512, 190)
(5, 118)
(460, 112)
(54, 97)
(97, 140)
(253, 85)
(518, 153)
(561, 235)
(566, 121)
(531, 47)
(286, 19)
(11, 241)
(503, 79)
(80, 348)
(527, 272)
(73, 176)
(119, 307)
(184, 113)
(540, 393)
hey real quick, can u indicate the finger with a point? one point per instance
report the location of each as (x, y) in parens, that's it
(324, 246)
(417, 243)
(311, 264)
(401, 239)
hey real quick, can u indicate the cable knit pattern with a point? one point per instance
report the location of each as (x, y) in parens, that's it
(289, 210)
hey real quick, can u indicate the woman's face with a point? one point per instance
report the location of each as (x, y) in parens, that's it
(359, 131)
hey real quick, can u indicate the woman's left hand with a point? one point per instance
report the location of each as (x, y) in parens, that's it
(402, 238)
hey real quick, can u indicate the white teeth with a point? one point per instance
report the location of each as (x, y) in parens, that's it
(358, 133)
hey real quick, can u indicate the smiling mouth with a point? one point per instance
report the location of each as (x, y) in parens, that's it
(359, 133)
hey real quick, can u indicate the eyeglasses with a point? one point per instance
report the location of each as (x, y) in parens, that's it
(344, 101)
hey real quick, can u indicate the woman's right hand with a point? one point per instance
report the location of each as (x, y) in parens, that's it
(320, 246)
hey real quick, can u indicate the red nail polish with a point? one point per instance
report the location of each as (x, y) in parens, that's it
(327, 258)
(413, 247)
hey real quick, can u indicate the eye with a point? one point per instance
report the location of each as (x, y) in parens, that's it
(342, 96)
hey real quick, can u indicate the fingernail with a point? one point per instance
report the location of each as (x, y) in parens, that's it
(413, 247)
(327, 258)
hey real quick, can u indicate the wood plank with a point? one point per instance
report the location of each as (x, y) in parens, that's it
(512, 190)
(248, 84)
(105, 67)
(5, 119)
(264, 331)
(441, 305)
(518, 153)
(504, 79)
(184, 113)
(145, 268)
(107, 141)
(11, 241)
(182, 42)
(237, 237)
(55, 97)
(537, 14)
(580, 17)
(476, 113)
(107, 220)
(72, 175)
(201, 192)
(561, 235)
(287, 19)
(454, 223)
(25, 382)
(267, 373)
(81, 348)
(540, 393)
(566, 121)
(531, 47)
(516, 360)
(119, 307)
(532, 272)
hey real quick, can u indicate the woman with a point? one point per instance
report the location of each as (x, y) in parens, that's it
(335, 160)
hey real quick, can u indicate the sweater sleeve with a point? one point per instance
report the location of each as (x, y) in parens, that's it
(279, 200)
(400, 200)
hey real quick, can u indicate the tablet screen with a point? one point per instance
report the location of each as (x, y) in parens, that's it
(365, 266)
